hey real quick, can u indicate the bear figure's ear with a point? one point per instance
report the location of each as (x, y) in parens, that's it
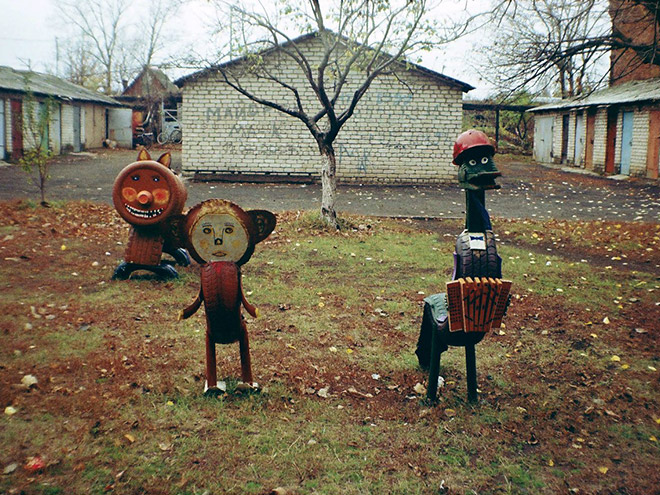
(143, 155)
(264, 223)
(165, 159)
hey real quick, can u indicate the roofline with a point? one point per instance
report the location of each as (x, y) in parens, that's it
(93, 97)
(203, 72)
(64, 98)
(583, 102)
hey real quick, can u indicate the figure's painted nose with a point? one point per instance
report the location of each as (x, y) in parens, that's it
(145, 198)
(218, 241)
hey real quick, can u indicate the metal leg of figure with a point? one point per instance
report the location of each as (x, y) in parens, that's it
(471, 369)
(434, 365)
(246, 363)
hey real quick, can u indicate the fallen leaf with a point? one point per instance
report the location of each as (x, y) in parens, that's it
(450, 413)
(419, 389)
(29, 381)
(323, 392)
(615, 358)
(10, 468)
(606, 320)
(129, 437)
(603, 470)
(10, 411)
(35, 463)
(652, 438)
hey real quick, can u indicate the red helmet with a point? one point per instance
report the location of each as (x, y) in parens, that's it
(470, 139)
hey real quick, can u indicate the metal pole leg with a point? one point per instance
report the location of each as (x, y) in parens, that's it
(434, 365)
(471, 368)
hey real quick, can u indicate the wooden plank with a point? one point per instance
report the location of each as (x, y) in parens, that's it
(455, 304)
(468, 304)
(501, 303)
(495, 285)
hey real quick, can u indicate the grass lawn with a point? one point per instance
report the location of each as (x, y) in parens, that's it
(569, 388)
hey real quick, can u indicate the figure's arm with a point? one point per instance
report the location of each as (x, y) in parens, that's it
(251, 309)
(192, 309)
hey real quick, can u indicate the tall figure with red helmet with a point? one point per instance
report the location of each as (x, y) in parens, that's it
(475, 257)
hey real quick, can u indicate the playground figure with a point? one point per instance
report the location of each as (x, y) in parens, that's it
(221, 237)
(477, 298)
(150, 197)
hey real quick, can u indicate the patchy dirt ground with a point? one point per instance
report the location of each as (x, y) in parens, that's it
(570, 398)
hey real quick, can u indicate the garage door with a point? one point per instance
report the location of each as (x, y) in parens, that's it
(543, 138)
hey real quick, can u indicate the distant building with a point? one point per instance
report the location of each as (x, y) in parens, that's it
(615, 130)
(82, 118)
(155, 100)
(612, 131)
(401, 132)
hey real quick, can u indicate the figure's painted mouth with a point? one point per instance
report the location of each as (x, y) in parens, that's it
(144, 213)
(220, 254)
(485, 180)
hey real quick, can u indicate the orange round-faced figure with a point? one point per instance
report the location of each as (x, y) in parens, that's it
(147, 192)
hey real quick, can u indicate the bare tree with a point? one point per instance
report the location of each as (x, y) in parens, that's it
(360, 39)
(100, 22)
(566, 45)
(77, 65)
(150, 33)
(536, 42)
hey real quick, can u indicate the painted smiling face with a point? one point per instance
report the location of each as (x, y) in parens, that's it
(219, 230)
(147, 192)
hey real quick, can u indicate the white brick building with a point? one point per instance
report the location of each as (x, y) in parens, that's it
(613, 131)
(403, 130)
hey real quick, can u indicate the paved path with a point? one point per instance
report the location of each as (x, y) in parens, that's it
(528, 191)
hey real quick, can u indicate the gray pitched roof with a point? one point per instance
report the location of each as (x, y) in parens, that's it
(46, 85)
(631, 92)
(465, 87)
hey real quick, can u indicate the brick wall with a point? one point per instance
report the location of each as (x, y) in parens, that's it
(639, 142)
(557, 137)
(639, 24)
(398, 134)
(600, 140)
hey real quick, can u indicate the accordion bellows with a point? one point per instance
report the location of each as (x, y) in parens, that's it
(477, 304)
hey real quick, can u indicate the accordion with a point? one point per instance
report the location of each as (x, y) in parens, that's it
(477, 304)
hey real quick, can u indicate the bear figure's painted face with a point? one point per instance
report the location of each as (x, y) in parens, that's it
(145, 193)
(219, 237)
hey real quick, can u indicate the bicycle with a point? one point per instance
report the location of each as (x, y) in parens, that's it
(146, 139)
(173, 136)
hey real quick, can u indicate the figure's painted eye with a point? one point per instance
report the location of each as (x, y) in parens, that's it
(472, 162)
(484, 160)
(136, 177)
(207, 230)
(229, 230)
(155, 178)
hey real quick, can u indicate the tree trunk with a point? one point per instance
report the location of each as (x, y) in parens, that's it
(329, 187)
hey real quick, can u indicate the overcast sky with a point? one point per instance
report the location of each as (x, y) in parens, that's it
(29, 29)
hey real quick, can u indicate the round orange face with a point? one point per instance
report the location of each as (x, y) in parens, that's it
(145, 193)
